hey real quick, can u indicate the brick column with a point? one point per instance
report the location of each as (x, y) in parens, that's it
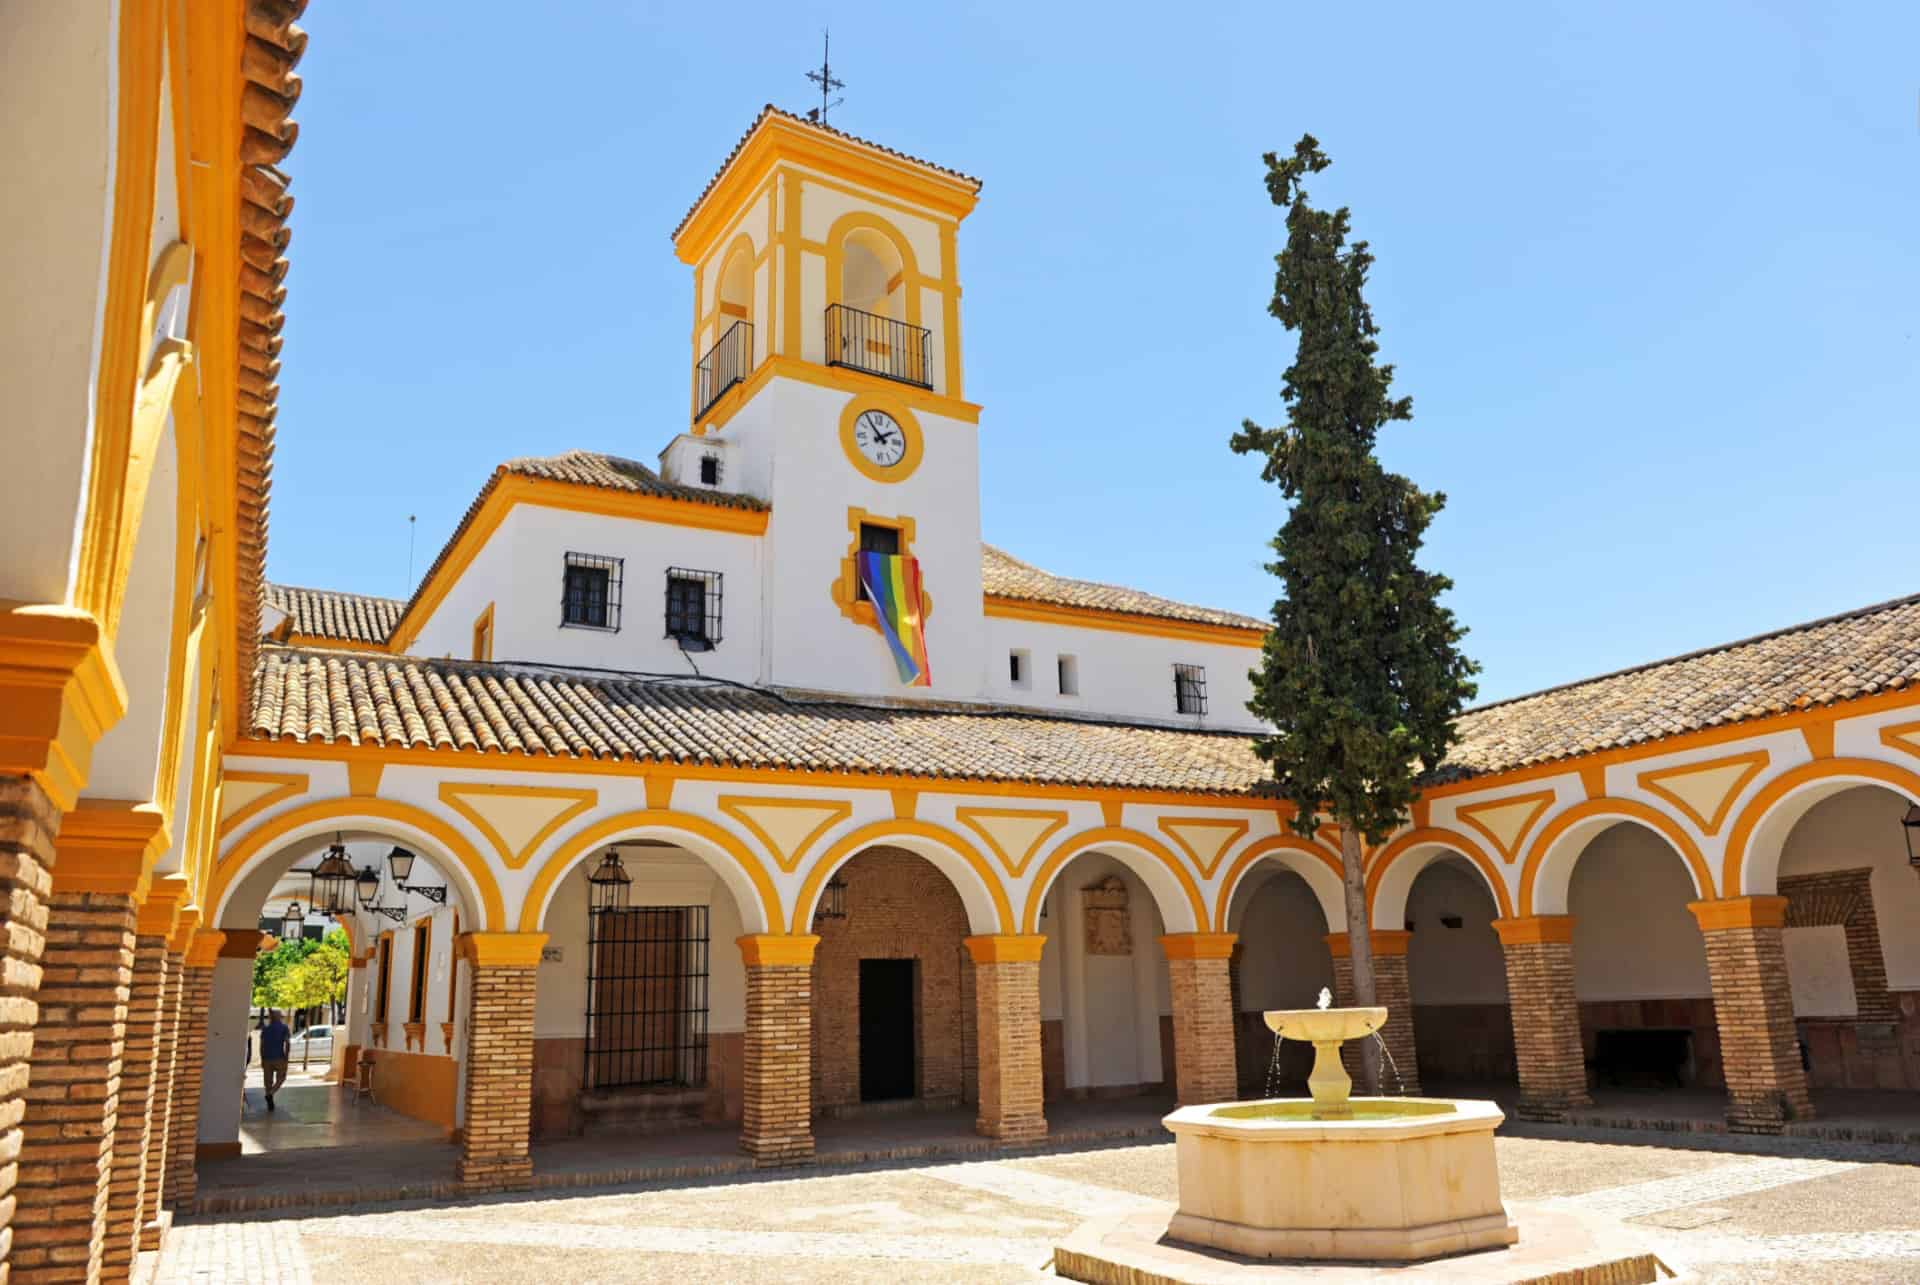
(1546, 1017)
(1391, 991)
(1753, 1007)
(776, 1120)
(189, 1062)
(160, 1133)
(73, 1090)
(126, 1187)
(494, 1154)
(28, 822)
(1204, 1068)
(1006, 989)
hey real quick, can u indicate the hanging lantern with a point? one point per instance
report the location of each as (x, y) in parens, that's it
(400, 864)
(833, 900)
(368, 885)
(609, 884)
(1911, 823)
(333, 880)
(293, 923)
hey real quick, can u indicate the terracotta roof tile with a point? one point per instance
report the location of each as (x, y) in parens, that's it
(1873, 649)
(1005, 576)
(343, 617)
(318, 696)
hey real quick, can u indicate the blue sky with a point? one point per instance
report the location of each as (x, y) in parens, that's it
(1650, 273)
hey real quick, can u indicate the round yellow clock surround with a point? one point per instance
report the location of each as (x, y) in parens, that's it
(909, 460)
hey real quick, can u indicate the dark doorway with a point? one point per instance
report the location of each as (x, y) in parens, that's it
(887, 989)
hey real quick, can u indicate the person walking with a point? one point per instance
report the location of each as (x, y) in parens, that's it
(276, 1042)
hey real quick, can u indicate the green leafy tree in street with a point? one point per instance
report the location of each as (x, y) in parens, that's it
(269, 965)
(310, 983)
(1361, 676)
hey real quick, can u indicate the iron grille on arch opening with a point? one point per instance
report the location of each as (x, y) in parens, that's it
(647, 997)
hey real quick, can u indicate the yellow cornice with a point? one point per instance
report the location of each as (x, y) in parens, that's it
(1534, 930)
(108, 846)
(185, 925)
(839, 378)
(204, 949)
(501, 950)
(777, 950)
(1048, 613)
(510, 489)
(1006, 948)
(1198, 945)
(1740, 912)
(776, 140)
(59, 693)
(160, 912)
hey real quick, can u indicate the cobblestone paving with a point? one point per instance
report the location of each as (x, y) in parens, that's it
(1774, 1211)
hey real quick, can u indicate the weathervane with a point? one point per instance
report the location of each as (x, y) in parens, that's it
(824, 79)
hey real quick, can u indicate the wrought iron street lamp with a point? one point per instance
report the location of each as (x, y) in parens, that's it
(1911, 824)
(333, 880)
(367, 884)
(833, 900)
(400, 864)
(293, 923)
(609, 885)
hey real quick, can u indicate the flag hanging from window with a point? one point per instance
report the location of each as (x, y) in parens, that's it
(893, 587)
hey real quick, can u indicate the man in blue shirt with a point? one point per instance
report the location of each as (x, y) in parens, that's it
(276, 1041)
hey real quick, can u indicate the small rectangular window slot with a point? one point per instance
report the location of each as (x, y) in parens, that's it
(1020, 669)
(1067, 672)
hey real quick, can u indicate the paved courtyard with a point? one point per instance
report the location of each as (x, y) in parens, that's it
(1728, 1209)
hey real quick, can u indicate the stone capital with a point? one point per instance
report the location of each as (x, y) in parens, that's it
(241, 943)
(777, 950)
(108, 845)
(1198, 945)
(1740, 912)
(185, 925)
(502, 950)
(61, 691)
(160, 912)
(1534, 930)
(1005, 948)
(204, 950)
(1386, 942)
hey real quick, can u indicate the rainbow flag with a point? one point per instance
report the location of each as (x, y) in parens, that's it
(893, 587)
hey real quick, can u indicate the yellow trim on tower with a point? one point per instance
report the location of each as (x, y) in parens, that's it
(845, 590)
(843, 379)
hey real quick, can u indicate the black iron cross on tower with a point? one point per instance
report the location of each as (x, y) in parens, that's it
(824, 79)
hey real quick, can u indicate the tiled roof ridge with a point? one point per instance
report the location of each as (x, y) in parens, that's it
(1891, 604)
(1148, 606)
(281, 586)
(770, 110)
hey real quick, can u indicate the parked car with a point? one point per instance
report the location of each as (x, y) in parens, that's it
(314, 1045)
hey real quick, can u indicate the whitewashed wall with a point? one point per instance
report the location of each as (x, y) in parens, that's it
(1122, 674)
(1109, 1005)
(1284, 959)
(1461, 965)
(1633, 936)
(1858, 829)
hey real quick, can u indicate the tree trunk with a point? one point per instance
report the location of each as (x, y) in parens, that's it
(1360, 950)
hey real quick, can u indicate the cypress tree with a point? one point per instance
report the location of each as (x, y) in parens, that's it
(1361, 675)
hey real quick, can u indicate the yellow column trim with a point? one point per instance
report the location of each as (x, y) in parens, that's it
(503, 950)
(777, 950)
(59, 693)
(1006, 948)
(1198, 945)
(204, 949)
(1740, 912)
(1534, 930)
(109, 846)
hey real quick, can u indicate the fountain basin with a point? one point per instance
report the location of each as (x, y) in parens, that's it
(1401, 1179)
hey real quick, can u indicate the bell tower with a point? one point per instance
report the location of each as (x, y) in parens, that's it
(827, 375)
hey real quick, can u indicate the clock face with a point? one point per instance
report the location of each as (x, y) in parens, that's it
(880, 438)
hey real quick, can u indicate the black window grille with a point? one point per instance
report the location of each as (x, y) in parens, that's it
(1190, 689)
(647, 997)
(590, 593)
(417, 992)
(875, 538)
(693, 608)
(709, 470)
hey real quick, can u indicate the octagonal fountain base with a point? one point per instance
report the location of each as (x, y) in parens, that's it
(1384, 1179)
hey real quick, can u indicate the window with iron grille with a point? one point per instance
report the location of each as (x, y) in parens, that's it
(693, 608)
(647, 997)
(1190, 689)
(590, 593)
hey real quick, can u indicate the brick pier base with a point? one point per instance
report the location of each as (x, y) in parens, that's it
(28, 823)
(1546, 1017)
(126, 1190)
(1006, 989)
(1199, 977)
(73, 1091)
(189, 1062)
(1392, 991)
(160, 1132)
(776, 1119)
(1753, 1007)
(494, 1154)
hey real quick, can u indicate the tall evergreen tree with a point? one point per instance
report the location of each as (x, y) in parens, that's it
(1361, 676)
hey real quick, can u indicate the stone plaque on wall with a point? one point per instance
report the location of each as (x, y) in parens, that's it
(1109, 926)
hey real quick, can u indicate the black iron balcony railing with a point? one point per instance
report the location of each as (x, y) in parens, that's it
(879, 345)
(726, 364)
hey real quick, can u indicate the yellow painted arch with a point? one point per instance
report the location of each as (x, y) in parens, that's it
(837, 256)
(533, 907)
(880, 832)
(1741, 836)
(1453, 839)
(344, 811)
(1255, 851)
(1088, 839)
(1625, 810)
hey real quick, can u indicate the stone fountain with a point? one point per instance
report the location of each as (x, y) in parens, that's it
(1375, 1179)
(1356, 1186)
